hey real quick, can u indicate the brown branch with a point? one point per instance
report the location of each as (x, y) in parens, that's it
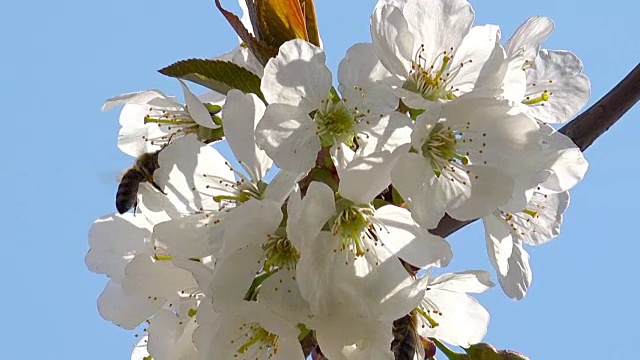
(583, 130)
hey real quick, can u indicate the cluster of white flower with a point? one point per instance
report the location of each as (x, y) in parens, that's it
(435, 115)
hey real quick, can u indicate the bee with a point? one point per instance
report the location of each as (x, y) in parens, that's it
(141, 171)
(407, 343)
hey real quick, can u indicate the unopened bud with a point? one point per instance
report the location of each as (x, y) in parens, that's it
(483, 351)
(430, 348)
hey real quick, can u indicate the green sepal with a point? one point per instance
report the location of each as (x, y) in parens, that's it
(252, 293)
(396, 197)
(414, 113)
(207, 135)
(378, 203)
(304, 331)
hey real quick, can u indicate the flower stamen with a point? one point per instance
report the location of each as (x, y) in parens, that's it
(279, 252)
(351, 223)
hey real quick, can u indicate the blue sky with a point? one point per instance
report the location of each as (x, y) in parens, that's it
(61, 59)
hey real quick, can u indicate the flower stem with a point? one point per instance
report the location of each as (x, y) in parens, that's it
(452, 355)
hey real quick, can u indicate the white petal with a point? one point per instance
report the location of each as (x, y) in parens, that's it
(133, 134)
(233, 276)
(170, 336)
(490, 188)
(410, 242)
(546, 225)
(345, 336)
(472, 281)
(501, 76)
(297, 76)
(202, 273)
(288, 135)
(138, 97)
(142, 272)
(560, 73)
(386, 133)
(499, 135)
(314, 272)
(241, 113)
(361, 66)
(476, 46)
(196, 109)
(187, 237)
(212, 97)
(192, 173)
(115, 240)
(245, 58)
(564, 159)
(499, 242)
(251, 224)
(125, 310)
(438, 24)
(392, 40)
(366, 176)
(317, 207)
(463, 321)
(282, 185)
(281, 295)
(140, 350)
(155, 206)
(518, 279)
(376, 285)
(414, 180)
(358, 74)
(529, 37)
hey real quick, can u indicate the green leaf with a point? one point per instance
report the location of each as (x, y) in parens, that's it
(217, 75)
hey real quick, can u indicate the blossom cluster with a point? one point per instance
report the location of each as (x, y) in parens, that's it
(320, 219)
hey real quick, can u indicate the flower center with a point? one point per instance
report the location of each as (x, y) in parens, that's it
(238, 191)
(432, 81)
(335, 122)
(351, 223)
(258, 339)
(533, 98)
(279, 252)
(519, 222)
(429, 310)
(440, 148)
(178, 122)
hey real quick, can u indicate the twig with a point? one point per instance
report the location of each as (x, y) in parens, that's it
(583, 130)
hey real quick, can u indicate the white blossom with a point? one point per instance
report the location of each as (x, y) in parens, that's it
(556, 87)
(303, 115)
(449, 314)
(149, 119)
(354, 264)
(430, 48)
(467, 159)
(506, 233)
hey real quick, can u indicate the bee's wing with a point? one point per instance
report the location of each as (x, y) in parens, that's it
(111, 177)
